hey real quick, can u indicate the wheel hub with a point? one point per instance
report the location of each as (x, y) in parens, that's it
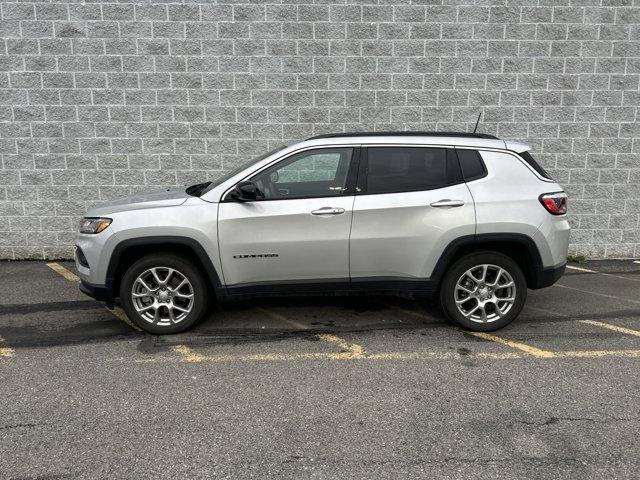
(483, 293)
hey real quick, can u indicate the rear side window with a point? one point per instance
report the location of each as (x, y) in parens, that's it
(526, 156)
(406, 169)
(471, 164)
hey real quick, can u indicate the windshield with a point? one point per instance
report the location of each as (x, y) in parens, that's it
(240, 168)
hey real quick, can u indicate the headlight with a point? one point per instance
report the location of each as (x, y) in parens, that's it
(94, 225)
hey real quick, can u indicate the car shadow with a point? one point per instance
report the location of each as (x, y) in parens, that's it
(52, 324)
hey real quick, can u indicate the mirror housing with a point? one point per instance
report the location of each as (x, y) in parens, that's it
(244, 192)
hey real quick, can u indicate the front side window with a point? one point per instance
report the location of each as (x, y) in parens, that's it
(406, 169)
(313, 173)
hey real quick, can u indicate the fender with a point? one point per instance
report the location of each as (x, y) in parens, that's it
(456, 245)
(188, 242)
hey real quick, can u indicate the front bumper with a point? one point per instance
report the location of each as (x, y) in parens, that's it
(545, 277)
(98, 292)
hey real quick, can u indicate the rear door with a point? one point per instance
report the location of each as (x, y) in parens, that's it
(299, 231)
(410, 204)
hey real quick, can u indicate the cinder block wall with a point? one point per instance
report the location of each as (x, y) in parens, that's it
(100, 100)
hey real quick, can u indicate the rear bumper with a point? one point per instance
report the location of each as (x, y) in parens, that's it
(545, 277)
(97, 292)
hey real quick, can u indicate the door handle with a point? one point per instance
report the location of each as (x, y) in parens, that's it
(328, 211)
(445, 202)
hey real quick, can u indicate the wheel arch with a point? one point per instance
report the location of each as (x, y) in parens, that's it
(128, 251)
(519, 247)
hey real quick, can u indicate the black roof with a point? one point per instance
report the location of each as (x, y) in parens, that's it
(405, 134)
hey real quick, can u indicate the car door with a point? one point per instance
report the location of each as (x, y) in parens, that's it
(297, 232)
(411, 204)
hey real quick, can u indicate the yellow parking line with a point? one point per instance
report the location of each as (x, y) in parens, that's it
(353, 349)
(282, 318)
(404, 356)
(615, 328)
(357, 351)
(350, 350)
(5, 352)
(598, 294)
(587, 270)
(598, 353)
(119, 313)
(536, 352)
(571, 267)
(72, 277)
(619, 276)
(188, 356)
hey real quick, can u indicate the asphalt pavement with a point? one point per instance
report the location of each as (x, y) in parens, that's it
(369, 387)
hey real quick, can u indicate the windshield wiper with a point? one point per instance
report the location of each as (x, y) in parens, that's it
(196, 190)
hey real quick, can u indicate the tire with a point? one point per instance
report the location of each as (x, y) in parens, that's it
(169, 309)
(464, 280)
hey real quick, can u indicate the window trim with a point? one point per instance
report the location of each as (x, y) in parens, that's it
(350, 187)
(533, 164)
(484, 165)
(361, 188)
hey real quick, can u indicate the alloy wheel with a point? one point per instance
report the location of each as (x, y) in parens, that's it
(162, 296)
(485, 293)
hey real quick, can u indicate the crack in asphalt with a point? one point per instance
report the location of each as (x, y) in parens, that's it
(20, 425)
(555, 420)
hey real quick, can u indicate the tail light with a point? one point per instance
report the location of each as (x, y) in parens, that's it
(555, 203)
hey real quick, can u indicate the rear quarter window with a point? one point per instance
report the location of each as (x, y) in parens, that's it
(526, 156)
(471, 164)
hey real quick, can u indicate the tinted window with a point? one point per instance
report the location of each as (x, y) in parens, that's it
(314, 173)
(471, 164)
(526, 156)
(404, 169)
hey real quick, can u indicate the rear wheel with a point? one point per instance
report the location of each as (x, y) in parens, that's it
(483, 291)
(163, 294)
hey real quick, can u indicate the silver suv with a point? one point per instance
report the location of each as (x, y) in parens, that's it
(468, 217)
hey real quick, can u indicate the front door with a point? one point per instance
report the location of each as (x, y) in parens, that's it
(297, 232)
(412, 203)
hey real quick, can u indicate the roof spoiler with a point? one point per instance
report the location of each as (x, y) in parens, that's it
(516, 146)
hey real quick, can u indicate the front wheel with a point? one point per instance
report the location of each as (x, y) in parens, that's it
(163, 294)
(483, 291)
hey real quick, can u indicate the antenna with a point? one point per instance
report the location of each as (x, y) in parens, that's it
(477, 122)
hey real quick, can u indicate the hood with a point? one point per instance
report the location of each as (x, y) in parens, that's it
(171, 197)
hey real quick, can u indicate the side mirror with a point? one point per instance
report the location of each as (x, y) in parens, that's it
(244, 192)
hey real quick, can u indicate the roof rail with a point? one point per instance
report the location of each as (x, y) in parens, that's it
(405, 134)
